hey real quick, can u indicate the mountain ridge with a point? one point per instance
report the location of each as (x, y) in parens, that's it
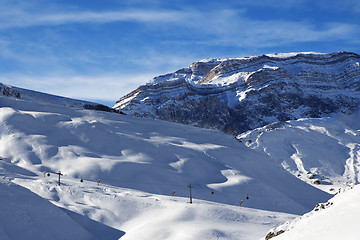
(238, 94)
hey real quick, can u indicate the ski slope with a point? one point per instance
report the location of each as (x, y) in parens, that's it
(140, 162)
(25, 215)
(142, 215)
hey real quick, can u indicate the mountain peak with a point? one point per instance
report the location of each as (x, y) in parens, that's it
(238, 94)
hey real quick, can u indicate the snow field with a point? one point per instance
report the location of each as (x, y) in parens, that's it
(25, 215)
(147, 155)
(140, 163)
(149, 216)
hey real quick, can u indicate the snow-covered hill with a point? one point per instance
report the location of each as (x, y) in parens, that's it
(25, 215)
(34, 96)
(333, 220)
(323, 151)
(152, 156)
(239, 94)
(140, 163)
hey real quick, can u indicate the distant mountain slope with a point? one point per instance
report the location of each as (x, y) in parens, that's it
(239, 94)
(324, 151)
(152, 156)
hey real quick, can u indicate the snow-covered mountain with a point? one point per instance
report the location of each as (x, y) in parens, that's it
(141, 163)
(321, 151)
(239, 94)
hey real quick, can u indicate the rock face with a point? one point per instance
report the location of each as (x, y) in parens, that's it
(238, 94)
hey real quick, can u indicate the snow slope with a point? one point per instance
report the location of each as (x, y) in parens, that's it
(140, 163)
(46, 99)
(25, 215)
(336, 219)
(147, 155)
(325, 149)
(143, 215)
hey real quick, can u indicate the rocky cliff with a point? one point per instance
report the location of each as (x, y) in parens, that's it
(237, 94)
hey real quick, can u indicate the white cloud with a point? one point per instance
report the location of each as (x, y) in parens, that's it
(219, 26)
(26, 19)
(102, 87)
(232, 28)
(282, 4)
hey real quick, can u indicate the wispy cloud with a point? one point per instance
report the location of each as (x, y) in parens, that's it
(337, 6)
(221, 26)
(25, 19)
(232, 28)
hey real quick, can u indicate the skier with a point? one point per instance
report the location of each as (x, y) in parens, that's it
(99, 182)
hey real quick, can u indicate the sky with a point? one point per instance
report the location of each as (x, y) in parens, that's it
(100, 50)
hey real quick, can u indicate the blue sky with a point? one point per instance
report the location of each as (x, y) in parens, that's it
(101, 50)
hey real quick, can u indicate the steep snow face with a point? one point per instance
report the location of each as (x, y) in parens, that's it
(336, 219)
(323, 151)
(152, 156)
(238, 94)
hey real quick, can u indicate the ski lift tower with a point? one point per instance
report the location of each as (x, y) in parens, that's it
(190, 186)
(60, 174)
